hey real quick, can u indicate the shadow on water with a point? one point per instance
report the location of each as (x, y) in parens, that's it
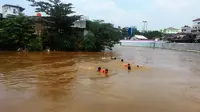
(168, 81)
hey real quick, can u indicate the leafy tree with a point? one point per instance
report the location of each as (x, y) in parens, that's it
(58, 33)
(152, 34)
(58, 23)
(101, 36)
(16, 32)
(35, 44)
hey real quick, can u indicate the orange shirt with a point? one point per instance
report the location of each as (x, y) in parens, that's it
(102, 71)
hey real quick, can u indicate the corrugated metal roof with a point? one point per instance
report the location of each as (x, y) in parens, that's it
(139, 37)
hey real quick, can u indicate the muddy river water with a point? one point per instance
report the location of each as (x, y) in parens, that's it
(169, 81)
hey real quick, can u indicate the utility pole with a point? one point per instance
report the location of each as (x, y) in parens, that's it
(145, 26)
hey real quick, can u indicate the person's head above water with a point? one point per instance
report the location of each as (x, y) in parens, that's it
(122, 60)
(106, 71)
(129, 67)
(99, 68)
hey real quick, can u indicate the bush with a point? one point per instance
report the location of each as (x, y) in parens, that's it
(89, 43)
(35, 44)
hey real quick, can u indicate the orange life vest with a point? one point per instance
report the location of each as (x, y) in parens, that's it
(126, 65)
(102, 71)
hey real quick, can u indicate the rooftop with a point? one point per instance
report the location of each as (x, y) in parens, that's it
(198, 19)
(139, 37)
(16, 6)
(171, 28)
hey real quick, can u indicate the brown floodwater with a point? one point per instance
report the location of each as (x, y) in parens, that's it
(168, 81)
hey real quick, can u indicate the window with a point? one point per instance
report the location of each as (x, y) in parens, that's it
(198, 22)
(14, 11)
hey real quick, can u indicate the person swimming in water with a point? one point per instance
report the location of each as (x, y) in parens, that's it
(129, 67)
(126, 65)
(113, 58)
(104, 71)
(99, 69)
(122, 60)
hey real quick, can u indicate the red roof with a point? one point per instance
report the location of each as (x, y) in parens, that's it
(196, 20)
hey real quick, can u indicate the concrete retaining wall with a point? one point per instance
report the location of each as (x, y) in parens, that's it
(180, 46)
(174, 46)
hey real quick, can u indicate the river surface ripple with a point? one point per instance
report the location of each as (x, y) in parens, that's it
(169, 81)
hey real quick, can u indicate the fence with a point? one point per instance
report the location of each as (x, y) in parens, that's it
(174, 46)
(180, 46)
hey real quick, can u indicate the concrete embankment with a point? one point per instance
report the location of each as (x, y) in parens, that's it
(194, 47)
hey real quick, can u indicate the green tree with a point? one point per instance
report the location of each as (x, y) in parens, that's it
(101, 36)
(16, 32)
(35, 44)
(152, 34)
(58, 23)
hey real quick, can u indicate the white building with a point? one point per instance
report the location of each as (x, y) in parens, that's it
(11, 10)
(170, 30)
(138, 37)
(81, 23)
(186, 29)
(196, 25)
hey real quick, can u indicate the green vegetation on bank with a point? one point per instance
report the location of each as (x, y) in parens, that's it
(17, 31)
(57, 34)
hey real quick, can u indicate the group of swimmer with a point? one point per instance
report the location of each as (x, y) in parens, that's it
(105, 71)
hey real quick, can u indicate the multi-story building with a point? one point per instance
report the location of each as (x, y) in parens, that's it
(186, 29)
(11, 10)
(196, 26)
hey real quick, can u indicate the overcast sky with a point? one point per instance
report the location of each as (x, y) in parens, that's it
(159, 13)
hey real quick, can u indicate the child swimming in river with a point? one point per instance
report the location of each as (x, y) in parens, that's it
(128, 66)
(104, 71)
